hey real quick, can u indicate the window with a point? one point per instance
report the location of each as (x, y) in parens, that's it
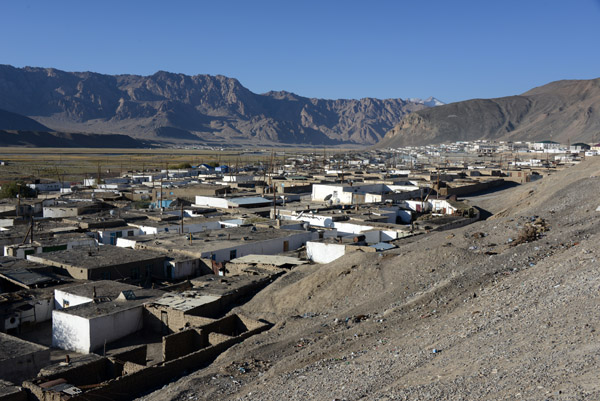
(65, 303)
(105, 275)
(232, 254)
(130, 233)
(135, 272)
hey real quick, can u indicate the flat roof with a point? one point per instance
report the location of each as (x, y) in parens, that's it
(56, 239)
(186, 300)
(104, 288)
(208, 241)
(275, 260)
(92, 309)
(11, 347)
(25, 273)
(93, 258)
(211, 284)
(250, 200)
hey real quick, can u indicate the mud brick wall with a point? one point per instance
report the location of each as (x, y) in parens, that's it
(153, 319)
(150, 378)
(182, 343)
(130, 367)
(136, 354)
(92, 372)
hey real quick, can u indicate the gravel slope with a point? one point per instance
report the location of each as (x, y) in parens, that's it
(507, 321)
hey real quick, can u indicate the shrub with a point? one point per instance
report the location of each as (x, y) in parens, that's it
(12, 189)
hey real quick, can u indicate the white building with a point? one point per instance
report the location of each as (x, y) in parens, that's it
(231, 203)
(545, 146)
(88, 326)
(340, 194)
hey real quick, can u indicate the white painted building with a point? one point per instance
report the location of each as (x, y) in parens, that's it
(146, 229)
(21, 251)
(87, 327)
(108, 236)
(339, 194)
(545, 146)
(224, 245)
(239, 178)
(229, 203)
(48, 186)
(178, 269)
(323, 252)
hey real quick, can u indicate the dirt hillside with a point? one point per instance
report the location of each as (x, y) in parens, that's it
(505, 308)
(561, 111)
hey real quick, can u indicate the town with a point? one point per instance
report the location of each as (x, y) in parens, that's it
(123, 281)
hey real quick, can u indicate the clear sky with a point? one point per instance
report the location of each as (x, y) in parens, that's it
(453, 50)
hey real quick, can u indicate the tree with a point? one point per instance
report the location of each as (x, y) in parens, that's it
(14, 188)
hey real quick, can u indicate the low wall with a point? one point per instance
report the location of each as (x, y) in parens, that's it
(470, 189)
(137, 380)
(456, 224)
(183, 343)
(136, 354)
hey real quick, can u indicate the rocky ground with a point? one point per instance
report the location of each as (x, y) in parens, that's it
(506, 308)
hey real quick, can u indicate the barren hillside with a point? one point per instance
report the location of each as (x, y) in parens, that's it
(506, 321)
(559, 111)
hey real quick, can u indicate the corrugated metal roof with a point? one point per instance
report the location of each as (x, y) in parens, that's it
(25, 277)
(382, 246)
(275, 260)
(251, 200)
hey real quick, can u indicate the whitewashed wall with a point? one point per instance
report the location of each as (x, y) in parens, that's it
(211, 201)
(60, 296)
(320, 252)
(114, 326)
(70, 332)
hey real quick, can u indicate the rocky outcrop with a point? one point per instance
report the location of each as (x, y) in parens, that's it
(201, 108)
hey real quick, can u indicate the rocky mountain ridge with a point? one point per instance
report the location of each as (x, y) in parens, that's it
(561, 111)
(197, 109)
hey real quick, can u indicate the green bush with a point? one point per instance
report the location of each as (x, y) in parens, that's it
(13, 188)
(180, 166)
(141, 205)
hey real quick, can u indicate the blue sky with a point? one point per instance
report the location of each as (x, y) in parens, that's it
(453, 50)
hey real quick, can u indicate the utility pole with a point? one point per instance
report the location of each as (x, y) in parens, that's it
(437, 191)
(18, 199)
(182, 218)
(98, 176)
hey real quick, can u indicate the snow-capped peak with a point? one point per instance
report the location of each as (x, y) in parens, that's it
(429, 102)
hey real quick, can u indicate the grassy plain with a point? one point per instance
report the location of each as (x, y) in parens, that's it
(74, 164)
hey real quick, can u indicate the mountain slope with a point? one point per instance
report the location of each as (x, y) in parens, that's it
(14, 121)
(559, 111)
(200, 108)
(40, 139)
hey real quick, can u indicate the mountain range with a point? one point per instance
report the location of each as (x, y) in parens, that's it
(561, 111)
(200, 109)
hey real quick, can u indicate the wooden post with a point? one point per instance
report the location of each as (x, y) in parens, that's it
(182, 217)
